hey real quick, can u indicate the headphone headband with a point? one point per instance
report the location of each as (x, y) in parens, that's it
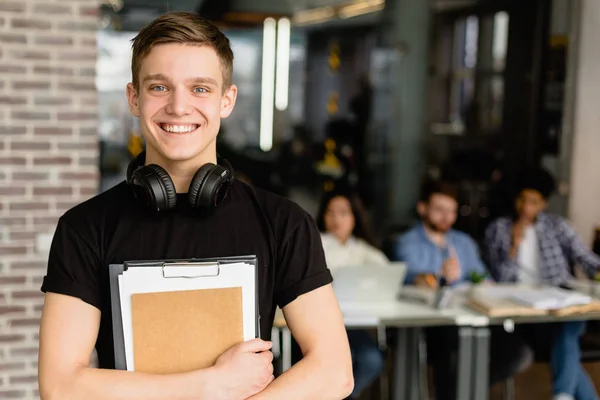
(154, 188)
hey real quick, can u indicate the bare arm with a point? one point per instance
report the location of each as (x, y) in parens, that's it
(325, 371)
(68, 331)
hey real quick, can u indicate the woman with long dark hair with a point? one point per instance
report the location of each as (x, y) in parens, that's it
(345, 234)
(346, 242)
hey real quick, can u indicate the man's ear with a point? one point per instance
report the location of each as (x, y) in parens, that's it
(228, 101)
(133, 100)
(421, 208)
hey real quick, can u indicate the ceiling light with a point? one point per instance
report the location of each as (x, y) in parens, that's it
(313, 16)
(361, 8)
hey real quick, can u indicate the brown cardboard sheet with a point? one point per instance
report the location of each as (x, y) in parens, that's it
(592, 307)
(181, 331)
(498, 307)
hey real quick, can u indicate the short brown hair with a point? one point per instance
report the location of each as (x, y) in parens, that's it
(431, 187)
(185, 28)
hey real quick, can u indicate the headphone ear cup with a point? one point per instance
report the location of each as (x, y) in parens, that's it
(197, 184)
(136, 163)
(157, 188)
(209, 186)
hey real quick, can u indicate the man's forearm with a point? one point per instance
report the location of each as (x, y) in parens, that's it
(103, 384)
(310, 378)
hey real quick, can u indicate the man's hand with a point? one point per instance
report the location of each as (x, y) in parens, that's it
(243, 370)
(427, 281)
(451, 268)
(517, 235)
(325, 371)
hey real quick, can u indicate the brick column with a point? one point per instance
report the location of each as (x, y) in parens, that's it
(48, 159)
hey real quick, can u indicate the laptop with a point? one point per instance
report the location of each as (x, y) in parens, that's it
(369, 282)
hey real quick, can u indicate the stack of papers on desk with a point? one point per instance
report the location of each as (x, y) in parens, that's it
(503, 300)
(496, 301)
(550, 298)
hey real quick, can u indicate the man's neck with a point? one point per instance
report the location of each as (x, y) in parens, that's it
(181, 172)
(439, 238)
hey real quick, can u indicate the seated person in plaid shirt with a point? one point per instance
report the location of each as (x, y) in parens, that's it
(433, 249)
(534, 247)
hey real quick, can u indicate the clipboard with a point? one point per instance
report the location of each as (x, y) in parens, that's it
(160, 339)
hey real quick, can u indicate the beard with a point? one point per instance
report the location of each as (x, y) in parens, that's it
(435, 227)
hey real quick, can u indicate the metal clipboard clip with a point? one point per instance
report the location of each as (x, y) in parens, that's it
(190, 269)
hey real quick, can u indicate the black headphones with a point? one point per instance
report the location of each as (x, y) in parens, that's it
(154, 189)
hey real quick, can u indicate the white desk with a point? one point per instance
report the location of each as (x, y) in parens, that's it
(481, 356)
(408, 317)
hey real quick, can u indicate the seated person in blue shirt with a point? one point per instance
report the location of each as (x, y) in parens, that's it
(435, 248)
(434, 254)
(533, 247)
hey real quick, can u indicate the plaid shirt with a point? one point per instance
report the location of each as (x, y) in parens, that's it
(560, 249)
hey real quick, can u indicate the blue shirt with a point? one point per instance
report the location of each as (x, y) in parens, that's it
(422, 256)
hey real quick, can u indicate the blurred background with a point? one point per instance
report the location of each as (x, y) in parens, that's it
(373, 94)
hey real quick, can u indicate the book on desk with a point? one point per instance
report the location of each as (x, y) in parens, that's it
(172, 316)
(522, 300)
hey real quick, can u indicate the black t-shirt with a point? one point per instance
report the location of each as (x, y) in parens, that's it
(112, 228)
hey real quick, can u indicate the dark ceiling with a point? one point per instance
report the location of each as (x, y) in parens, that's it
(132, 15)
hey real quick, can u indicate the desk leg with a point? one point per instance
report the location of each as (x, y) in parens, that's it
(423, 367)
(481, 364)
(384, 379)
(276, 340)
(400, 365)
(406, 365)
(276, 350)
(465, 361)
(414, 382)
(286, 353)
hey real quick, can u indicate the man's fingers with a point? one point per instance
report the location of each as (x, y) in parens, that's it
(268, 356)
(256, 346)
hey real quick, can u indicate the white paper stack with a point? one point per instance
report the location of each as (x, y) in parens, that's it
(549, 298)
(183, 278)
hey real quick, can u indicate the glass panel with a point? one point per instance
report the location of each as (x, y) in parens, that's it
(500, 39)
(471, 38)
(491, 96)
(241, 128)
(497, 103)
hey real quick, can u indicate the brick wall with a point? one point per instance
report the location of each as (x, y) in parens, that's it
(48, 159)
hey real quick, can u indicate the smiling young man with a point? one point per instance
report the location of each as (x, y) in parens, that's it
(181, 89)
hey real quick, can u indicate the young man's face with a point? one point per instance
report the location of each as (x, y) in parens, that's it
(529, 204)
(180, 101)
(439, 214)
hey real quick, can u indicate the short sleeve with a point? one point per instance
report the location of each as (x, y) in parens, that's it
(301, 264)
(73, 267)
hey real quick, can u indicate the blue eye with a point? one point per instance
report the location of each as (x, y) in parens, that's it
(200, 90)
(158, 88)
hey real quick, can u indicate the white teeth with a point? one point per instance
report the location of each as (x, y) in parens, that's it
(178, 128)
